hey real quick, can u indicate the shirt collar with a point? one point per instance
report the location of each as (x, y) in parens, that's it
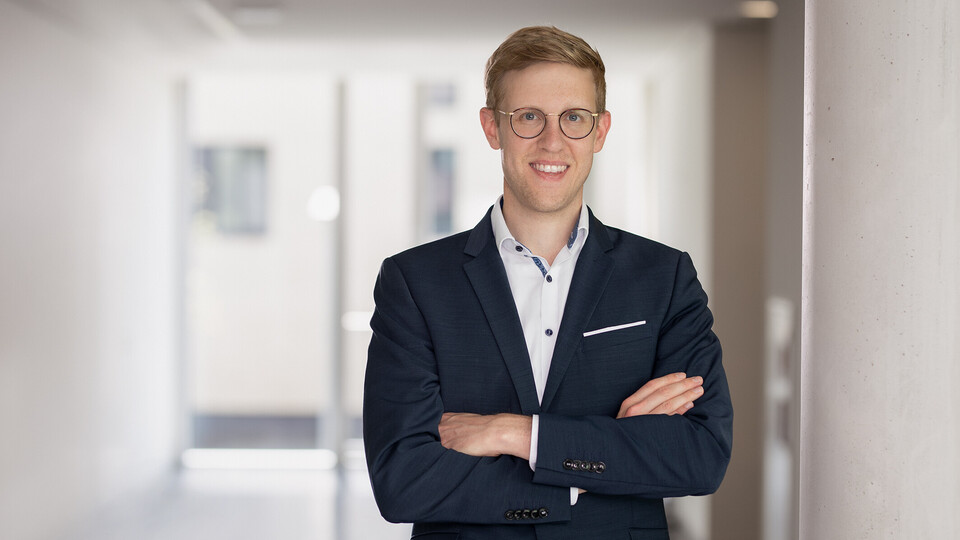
(501, 233)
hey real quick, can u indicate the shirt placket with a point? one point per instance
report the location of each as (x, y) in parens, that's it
(549, 320)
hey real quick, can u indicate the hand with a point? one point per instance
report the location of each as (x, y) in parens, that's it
(486, 435)
(670, 394)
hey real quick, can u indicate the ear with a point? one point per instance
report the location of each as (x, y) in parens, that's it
(488, 121)
(603, 126)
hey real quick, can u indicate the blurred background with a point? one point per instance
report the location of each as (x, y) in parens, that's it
(196, 195)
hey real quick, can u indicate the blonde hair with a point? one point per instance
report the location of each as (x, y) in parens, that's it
(535, 44)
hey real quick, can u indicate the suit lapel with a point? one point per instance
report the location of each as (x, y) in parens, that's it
(489, 279)
(593, 270)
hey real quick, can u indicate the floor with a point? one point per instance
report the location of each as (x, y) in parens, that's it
(248, 505)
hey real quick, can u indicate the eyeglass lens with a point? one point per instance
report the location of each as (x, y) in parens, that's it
(574, 123)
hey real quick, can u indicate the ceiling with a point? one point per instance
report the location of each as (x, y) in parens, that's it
(189, 21)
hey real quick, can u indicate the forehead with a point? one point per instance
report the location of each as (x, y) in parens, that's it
(549, 86)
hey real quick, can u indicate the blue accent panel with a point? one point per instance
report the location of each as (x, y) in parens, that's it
(536, 261)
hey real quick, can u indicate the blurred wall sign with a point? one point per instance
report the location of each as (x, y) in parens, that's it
(232, 188)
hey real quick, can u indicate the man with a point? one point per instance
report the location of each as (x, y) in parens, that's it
(535, 377)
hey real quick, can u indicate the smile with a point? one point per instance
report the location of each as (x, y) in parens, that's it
(553, 169)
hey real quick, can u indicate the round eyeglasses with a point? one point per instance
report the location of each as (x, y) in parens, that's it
(528, 122)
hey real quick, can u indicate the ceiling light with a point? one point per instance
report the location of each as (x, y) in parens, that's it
(762, 9)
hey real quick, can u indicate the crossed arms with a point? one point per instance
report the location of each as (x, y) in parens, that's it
(506, 433)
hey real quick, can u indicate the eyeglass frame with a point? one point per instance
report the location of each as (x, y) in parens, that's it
(594, 116)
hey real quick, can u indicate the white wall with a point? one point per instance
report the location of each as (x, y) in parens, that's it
(261, 308)
(87, 280)
(380, 195)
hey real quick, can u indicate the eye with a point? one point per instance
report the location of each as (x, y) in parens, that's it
(574, 117)
(529, 116)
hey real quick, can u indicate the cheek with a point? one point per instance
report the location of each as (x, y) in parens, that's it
(512, 153)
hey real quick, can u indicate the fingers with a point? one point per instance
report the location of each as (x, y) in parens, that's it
(679, 404)
(670, 394)
(649, 388)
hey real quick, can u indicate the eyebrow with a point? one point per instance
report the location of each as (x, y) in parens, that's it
(543, 110)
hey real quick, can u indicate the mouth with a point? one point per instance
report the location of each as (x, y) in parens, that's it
(549, 169)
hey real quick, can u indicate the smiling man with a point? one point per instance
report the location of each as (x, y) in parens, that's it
(542, 376)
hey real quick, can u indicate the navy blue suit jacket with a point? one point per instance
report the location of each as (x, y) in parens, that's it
(447, 338)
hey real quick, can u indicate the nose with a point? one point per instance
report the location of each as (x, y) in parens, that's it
(551, 138)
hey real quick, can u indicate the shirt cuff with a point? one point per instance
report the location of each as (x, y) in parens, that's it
(534, 432)
(534, 435)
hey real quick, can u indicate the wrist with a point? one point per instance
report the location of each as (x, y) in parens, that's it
(515, 435)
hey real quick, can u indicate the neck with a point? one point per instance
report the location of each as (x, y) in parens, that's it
(545, 234)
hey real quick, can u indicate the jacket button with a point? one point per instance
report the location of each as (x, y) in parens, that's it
(526, 513)
(600, 467)
(584, 465)
(593, 466)
(568, 464)
(543, 513)
(509, 515)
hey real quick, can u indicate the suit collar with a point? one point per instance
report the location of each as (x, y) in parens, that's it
(480, 236)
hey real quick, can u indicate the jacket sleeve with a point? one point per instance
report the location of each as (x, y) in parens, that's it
(652, 455)
(414, 478)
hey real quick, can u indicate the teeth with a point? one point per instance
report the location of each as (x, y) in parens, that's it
(549, 168)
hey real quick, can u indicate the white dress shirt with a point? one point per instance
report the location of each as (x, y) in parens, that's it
(540, 294)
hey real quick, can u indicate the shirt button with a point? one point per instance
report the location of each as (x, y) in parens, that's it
(549, 332)
(549, 279)
(519, 248)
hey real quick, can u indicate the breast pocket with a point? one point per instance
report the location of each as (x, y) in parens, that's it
(611, 336)
(613, 364)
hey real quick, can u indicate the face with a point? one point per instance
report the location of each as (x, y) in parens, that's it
(545, 175)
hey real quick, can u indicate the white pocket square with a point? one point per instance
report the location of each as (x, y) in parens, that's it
(613, 328)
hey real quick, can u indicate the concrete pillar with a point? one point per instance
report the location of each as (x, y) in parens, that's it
(880, 408)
